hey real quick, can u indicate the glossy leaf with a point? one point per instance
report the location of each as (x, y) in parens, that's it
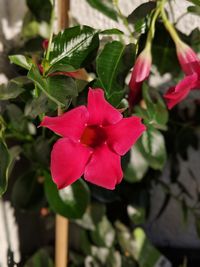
(195, 2)
(111, 32)
(152, 146)
(61, 88)
(37, 106)
(104, 6)
(145, 253)
(164, 52)
(141, 12)
(40, 9)
(194, 10)
(104, 234)
(136, 214)
(4, 165)
(92, 216)
(21, 61)
(27, 192)
(194, 39)
(70, 202)
(74, 46)
(42, 84)
(10, 91)
(155, 107)
(137, 166)
(40, 259)
(113, 64)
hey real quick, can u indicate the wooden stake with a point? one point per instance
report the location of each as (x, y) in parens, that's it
(62, 224)
(61, 253)
(63, 15)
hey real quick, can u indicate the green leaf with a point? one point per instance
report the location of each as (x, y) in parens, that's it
(92, 216)
(37, 106)
(4, 165)
(40, 9)
(137, 166)
(195, 2)
(113, 64)
(194, 39)
(27, 192)
(104, 234)
(10, 91)
(156, 108)
(61, 87)
(136, 214)
(145, 253)
(42, 84)
(111, 32)
(152, 146)
(17, 120)
(74, 46)
(141, 12)
(194, 10)
(70, 202)
(105, 7)
(40, 259)
(164, 52)
(21, 61)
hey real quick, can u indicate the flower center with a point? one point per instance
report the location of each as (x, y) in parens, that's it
(93, 136)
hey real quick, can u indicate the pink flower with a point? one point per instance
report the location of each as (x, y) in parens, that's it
(190, 65)
(93, 139)
(140, 73)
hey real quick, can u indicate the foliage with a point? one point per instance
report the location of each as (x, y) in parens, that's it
(108, 236)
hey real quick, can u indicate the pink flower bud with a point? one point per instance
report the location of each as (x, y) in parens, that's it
(188, 59)
(140, 73)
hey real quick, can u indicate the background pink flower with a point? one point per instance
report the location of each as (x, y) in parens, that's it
(190, 65)
(93, 139)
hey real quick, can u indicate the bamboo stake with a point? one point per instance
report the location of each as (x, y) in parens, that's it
(62, 224)
(61, 253)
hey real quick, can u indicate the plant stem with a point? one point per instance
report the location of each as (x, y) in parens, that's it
(155, 16)
(124, 20)
(51, 31)
(169, 26)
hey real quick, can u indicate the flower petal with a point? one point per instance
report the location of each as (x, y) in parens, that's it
(104, 168)
(177, 93)
(100, 111)
(68, 161)
(71, 124)
(188, 59)
(142, 67)
(122, 135)
(135, 93)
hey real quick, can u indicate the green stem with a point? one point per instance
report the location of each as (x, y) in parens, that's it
(169, 26)
(124, 20)
(51, 32)
(155, 16)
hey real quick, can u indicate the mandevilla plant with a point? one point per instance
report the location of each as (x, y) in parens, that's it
(82, 106)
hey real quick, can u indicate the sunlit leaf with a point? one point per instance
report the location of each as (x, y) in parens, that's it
(21, 61)
(74, 46)
(152, 146)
